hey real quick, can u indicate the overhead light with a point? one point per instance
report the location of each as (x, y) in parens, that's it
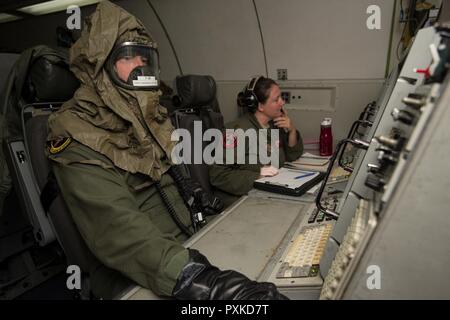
(4, 17)
(54, 6)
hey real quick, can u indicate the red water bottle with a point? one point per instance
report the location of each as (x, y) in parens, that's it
(326, 138)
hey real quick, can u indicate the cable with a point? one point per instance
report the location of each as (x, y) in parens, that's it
(262, 38)
(391, 35)
(187, 190)
(172, 211)
(167, 36)
(403, 32)
(410, 19)
(399, 43)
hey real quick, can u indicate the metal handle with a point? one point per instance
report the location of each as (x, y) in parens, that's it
(369, 110)
(357, 143)
(354, 128)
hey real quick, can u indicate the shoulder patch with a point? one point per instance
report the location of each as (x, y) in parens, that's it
(229, 140)
(58, 145)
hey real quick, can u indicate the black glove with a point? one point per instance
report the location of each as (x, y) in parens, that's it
(199, 280)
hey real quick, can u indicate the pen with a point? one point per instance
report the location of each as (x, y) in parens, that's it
(305, 175)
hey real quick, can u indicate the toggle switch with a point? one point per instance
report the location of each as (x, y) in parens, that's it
(403, 116)
(375, 182)
(394, 144)
(425, 71)
(386, 157)
(373, 168)
(414, 100)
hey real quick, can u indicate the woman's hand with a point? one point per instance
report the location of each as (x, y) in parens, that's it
(268, 171)
(284, 122)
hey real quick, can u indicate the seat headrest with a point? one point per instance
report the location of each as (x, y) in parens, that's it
(50, 80)
(195, 90)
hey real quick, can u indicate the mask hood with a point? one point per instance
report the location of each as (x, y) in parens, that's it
(127, 126)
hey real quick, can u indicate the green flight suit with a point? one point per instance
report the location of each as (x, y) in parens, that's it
(234, 180)
(120, 148)
(122, 218)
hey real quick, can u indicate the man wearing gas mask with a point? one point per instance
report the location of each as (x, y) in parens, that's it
(110, 149)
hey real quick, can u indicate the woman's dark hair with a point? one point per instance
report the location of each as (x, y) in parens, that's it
(262, 88)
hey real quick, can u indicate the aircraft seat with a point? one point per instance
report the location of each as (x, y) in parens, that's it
(196, 101)
(30, 170)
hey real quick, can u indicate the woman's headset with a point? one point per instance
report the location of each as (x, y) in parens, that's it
(247, 98)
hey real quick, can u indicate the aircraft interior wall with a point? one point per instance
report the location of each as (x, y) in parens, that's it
(333, 61)
(382, 200)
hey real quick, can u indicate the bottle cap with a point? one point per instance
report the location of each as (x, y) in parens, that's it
(326, 122)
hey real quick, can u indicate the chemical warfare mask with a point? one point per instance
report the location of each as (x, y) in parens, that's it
(134, 66)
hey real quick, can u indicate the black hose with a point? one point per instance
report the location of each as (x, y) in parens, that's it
(185, 189)
(172, 211)
(186, 192)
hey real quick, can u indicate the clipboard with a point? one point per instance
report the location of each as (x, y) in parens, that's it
(292, 182)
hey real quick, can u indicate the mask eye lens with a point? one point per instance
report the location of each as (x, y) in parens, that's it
(135, 66)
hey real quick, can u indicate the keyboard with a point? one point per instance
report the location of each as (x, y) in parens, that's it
(303, 257)
(352, 239)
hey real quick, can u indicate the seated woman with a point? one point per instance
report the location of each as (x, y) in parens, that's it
(263, 104)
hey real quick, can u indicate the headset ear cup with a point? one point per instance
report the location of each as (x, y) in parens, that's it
(247, 98)
(252, 102)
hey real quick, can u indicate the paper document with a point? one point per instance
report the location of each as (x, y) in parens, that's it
(313, 156)
(309, 159)
(290, 178)
(338, 174)
(309, 162)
